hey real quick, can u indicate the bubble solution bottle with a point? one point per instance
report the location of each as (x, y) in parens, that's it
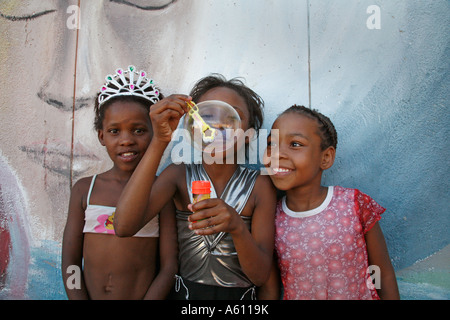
(200, 190)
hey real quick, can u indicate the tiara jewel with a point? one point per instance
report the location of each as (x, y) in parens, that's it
(129, 82)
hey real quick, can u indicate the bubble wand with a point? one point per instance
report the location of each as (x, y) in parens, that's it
(208, 133)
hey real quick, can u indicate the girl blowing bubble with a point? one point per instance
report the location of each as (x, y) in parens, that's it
(118, 268)
(326, 237)
(226, 242)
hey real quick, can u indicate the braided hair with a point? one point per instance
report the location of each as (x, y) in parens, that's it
(327, 130)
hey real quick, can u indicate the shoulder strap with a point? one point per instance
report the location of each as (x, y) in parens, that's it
(239, 187)
(90, 189)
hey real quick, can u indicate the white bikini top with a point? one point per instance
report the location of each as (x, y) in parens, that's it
(99, 219)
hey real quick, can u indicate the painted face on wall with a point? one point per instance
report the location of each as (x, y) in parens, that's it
(39, 112)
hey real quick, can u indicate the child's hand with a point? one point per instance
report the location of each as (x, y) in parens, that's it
(213, 216)
(166, 114)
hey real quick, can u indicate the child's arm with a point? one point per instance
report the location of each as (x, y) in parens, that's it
(133, 210)
(254, 248)
(379, 256)
(271, 289)
(168, 251)
(72, 246)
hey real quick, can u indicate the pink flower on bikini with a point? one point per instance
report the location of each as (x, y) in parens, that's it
(105, 224)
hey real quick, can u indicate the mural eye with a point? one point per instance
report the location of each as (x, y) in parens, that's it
(146, 4)
(11, 11)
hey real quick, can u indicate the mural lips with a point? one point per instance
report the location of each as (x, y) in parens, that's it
(55, 156)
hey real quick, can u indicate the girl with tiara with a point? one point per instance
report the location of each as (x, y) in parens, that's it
(113, 267)
(225, 242)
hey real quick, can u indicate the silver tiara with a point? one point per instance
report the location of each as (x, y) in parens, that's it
(129, 82)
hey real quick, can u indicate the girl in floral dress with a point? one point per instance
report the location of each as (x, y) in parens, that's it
(328, 240)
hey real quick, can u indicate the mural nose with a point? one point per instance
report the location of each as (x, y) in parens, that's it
(57, 89)
(61, 96)
(78, 70)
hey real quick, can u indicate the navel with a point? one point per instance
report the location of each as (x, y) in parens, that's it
(109, 285)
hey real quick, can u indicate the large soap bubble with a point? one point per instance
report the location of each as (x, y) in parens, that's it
(210, 125)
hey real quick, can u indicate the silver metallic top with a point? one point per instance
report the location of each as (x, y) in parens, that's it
(213, 259)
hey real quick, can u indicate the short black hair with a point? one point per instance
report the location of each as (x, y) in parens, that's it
(327, 131)
(255, 103)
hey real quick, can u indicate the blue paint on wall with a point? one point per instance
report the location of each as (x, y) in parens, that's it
(394, 138)
(44, 280)
(428, 279)
(46, 265)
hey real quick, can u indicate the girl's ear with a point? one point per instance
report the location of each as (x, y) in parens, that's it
(328, 156)
(100, 137)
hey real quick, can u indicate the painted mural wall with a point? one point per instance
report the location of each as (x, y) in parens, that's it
(378, 68)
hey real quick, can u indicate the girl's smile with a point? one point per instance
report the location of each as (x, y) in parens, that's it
(281, 171)
(129, 156)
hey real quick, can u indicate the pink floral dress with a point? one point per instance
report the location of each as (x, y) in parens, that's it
(322, 252)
